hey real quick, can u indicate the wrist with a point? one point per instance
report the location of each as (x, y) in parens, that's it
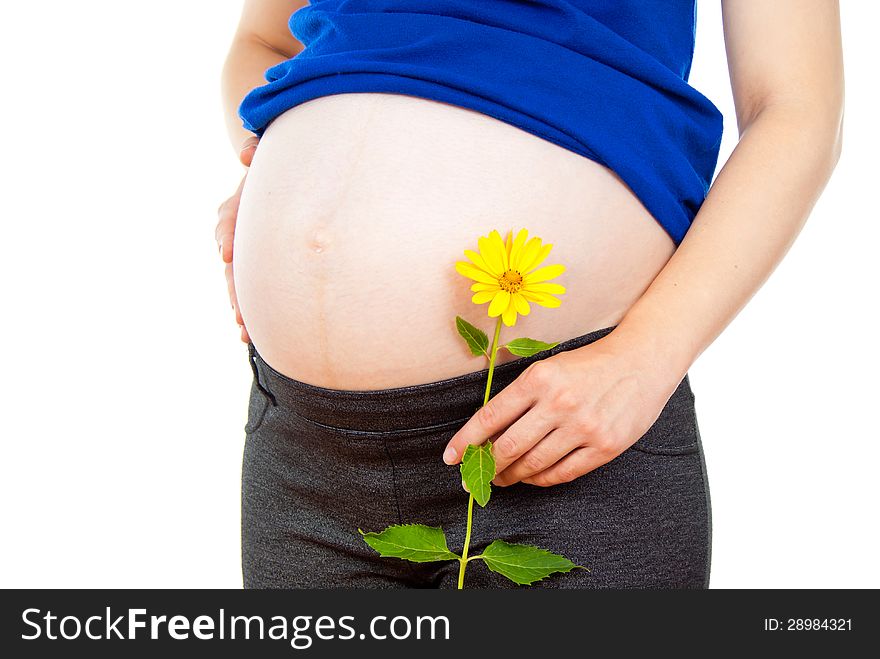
(655, 346)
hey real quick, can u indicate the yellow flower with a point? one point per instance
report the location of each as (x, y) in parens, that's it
(505, 275)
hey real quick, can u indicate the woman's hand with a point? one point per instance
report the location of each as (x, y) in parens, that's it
(224, 233)
(569, 413)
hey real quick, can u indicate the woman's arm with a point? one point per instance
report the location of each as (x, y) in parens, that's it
(261, 40)
(577, 410)
(786, 69)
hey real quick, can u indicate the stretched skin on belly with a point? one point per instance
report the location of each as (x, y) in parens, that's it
(357, 206)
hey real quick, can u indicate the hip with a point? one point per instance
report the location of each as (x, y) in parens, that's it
(321, 463)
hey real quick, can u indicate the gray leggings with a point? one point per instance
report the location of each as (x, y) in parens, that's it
(320, 463)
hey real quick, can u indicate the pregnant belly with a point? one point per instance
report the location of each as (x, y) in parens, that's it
(357, 206)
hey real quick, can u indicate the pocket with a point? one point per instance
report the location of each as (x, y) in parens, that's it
(258, 403)
(675, 430)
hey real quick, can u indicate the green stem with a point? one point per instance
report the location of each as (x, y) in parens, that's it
(492, 359)
(463, 561)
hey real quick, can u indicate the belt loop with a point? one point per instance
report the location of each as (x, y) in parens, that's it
(252, 358)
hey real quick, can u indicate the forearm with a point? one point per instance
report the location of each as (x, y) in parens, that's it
(756, 207)
(244, 70)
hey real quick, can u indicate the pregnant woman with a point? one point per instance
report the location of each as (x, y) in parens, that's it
(384, 139)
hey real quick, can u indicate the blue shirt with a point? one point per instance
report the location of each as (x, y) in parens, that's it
(606, 79)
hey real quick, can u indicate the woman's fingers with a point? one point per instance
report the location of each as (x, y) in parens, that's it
(248, 147)
(224, 234)
(230, 288)
(543, 455)
(521, 437)
(233, 300)
(227, 214)
(575, 464)
(497, 415)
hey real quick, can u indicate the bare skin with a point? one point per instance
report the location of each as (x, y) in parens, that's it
(572, 412)
(344, 258)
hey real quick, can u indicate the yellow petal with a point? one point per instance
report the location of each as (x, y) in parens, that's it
(539, 257)
(480, 262)
(546, 287)
(516, 249)
(508, 243)
(491, 255)
(472, 271)
(496, 240)
(509, 316)
(541, 274)
(529, 253)
(499, 303)
(521, 304)
(480, 286)
(481, 297)
(544, 299)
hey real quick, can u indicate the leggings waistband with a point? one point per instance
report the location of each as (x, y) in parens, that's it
(426, 406)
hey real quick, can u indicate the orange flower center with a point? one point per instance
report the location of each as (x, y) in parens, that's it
(511, 281)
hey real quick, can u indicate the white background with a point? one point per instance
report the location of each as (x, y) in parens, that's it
(125, 383)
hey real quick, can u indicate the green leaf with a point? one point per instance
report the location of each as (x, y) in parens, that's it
(478, 470)
(525, 347)
(476, 338)
(524, 564)
(413, 542)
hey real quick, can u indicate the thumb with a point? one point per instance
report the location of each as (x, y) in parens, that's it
(246, 155)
